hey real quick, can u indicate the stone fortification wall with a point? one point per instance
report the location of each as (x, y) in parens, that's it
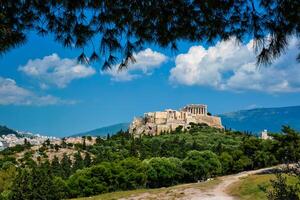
(153, 123)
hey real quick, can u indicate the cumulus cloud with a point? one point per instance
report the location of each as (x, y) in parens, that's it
(12, 94)
(146, 61)
(229, 66)
(53, 70)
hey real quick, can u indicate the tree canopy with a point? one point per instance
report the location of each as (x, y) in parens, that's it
(119, 28)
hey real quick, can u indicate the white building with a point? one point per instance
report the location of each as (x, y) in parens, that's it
(264, 135)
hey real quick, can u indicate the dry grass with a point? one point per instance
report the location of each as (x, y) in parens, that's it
(253, 187)
(173, 192)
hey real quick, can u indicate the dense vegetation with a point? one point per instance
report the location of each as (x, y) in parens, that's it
(121, 162)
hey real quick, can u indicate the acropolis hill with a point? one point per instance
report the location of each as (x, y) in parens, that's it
(154, 123)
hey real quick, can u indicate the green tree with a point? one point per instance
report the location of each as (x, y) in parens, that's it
(61, 188)
(201, 165)
(79, 162)
(282, 190)
(91, 181)
(163, 172)
(36, 183)
(7, 176)
(89, 138)
(227, 162)
(63, 143)
(87, 160)
(56, 167)
(66, 164)
(243, 163)
(131, 174)
(133, 148)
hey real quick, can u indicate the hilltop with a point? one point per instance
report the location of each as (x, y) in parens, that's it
(256, 120)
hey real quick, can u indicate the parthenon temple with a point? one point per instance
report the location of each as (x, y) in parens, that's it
(196, 109)
(153, 123)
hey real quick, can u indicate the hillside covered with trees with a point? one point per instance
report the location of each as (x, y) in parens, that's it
(6, 131)
(121, 162)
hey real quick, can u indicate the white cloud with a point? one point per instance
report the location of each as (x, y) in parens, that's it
(53, 70)
(12, 94)
(146, 61)
(228, 66)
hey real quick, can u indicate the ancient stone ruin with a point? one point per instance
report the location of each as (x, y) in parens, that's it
(154, 123)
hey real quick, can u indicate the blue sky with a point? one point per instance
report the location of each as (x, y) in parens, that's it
(44, 90)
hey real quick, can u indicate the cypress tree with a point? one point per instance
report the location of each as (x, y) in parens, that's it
(66, 164)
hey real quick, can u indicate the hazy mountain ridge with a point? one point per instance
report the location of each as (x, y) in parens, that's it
(253, 120)
(6, 131)
(256, 120)
(103, 131)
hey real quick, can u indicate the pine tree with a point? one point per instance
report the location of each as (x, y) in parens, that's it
(21, 188)
(87, 160)
(78, 163)
(84, 142)
(66, 165)
(56, 167)
(36, 183)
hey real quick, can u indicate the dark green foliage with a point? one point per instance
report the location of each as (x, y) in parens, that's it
(162, 172)
(78, 163)
(281, 190)
(61, 188)
(15, 149)
(6, 131)
(227, 162)
(66, 164)
(127, 174)
(289, 146)
(36, 183)
(56, 167)
(201, 165)
(87, 160)
(123, 162)
(124, 27)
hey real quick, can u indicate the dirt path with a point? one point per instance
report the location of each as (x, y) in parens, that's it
(190, 192)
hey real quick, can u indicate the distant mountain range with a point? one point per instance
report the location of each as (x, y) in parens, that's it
(253, 120)
(103, 131)
(256, 120)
